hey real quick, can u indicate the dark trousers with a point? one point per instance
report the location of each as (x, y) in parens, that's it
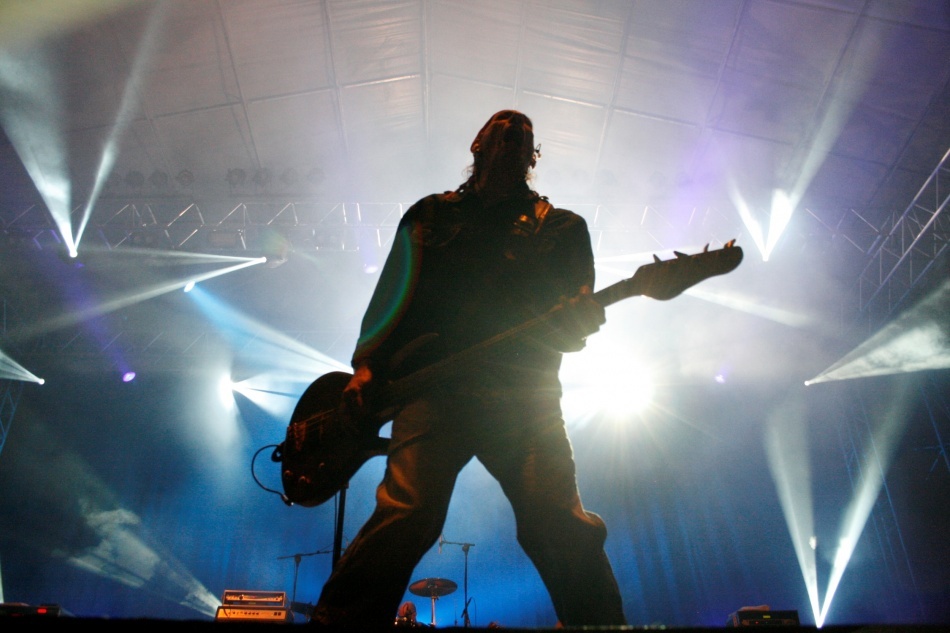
(524, 445)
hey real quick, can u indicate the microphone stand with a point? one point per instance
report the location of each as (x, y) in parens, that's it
(465, 547)
(297, 558)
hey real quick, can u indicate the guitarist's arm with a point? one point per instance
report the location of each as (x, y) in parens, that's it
(574, 319)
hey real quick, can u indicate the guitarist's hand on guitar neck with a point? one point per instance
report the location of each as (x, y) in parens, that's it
(574, 319)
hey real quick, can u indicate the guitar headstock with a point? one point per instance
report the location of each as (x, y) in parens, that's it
(664, 280)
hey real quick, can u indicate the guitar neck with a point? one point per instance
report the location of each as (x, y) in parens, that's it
(617, 292)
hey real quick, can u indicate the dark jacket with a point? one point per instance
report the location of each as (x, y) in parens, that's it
(467, 272)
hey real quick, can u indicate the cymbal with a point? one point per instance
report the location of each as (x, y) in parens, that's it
(432, 587)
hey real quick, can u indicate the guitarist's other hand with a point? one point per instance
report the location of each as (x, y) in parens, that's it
(575, 319)
(353, 393)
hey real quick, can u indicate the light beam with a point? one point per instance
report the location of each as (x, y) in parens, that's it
(12, 370)
(131, 299)
(918, 340)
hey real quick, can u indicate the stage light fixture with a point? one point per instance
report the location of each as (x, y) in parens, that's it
(290, 177)
(262, 177)
(139, 238)
(134, 179)
(158, 179)
(143, 239)
(328, 239)
(315, 176)
(185, 178)
(236, 177)
(128, 376)
(20, 239)
(226, 239)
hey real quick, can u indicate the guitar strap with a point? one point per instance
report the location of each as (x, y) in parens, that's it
(525, 230)
(541, 208)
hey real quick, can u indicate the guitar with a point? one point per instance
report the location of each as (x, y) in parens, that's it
(325, 444)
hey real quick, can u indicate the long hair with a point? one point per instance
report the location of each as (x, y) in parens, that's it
(474, 169)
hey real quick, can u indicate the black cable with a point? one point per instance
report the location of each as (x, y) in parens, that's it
(258, 481)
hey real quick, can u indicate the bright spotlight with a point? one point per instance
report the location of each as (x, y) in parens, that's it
(780, 214)
(627, 392)
(41, 381)
(225, 392)
(128, 376)
(189, 286)
(782, 209)
(623, 387)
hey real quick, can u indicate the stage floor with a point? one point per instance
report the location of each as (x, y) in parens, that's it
(63, 623)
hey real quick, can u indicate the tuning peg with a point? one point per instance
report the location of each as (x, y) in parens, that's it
(678, 254)
(730, 243)
(656, 260)
(706, 248)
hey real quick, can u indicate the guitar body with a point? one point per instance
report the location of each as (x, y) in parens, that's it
(325, 445)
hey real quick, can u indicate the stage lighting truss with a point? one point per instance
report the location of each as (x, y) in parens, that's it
(240, 225)
(912, 243)
(898, 252)
(231, 226)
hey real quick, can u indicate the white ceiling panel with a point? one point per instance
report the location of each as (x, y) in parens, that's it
(588, 49)
(385, 138)
(314, 140)
(374, 41)
(206, 142)
(648, 176)
(278, 47)
(479, 41)
(184, 59)
(673, 57)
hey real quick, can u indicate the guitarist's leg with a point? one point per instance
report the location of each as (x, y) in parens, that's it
(411, 503)
(535, 467)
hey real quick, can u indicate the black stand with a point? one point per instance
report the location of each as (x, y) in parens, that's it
(294, 606)
(337, 550)
(338, 530)
(465, 547)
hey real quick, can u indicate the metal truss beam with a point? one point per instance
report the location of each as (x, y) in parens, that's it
(938, 411)
(233, 225)
(910, 245)
(10, 390)
(251, 225)
(863, 463)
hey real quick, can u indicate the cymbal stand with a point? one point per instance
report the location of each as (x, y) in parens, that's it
(465, 547)
(433, 598)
